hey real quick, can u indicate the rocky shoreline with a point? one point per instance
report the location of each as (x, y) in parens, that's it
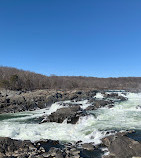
(18, 101)
(119, 146)
(116, 145)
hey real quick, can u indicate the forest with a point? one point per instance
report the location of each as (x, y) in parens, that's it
(16, 79)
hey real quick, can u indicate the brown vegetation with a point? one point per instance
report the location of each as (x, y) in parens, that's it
(15, 79)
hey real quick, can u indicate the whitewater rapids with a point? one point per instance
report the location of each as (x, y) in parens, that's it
(123, 116)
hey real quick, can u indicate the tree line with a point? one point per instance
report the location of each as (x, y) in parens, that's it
(15, 79)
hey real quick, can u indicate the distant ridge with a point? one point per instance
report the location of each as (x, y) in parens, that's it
(16, 79)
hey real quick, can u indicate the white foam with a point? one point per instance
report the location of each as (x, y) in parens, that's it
(88, 129)
(98, 96)
(55, 131)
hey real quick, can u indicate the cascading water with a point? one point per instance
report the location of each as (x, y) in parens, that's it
(123, 116)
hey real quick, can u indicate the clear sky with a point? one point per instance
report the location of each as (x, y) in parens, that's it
(99, 38)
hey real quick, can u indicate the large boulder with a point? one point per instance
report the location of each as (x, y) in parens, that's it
(121, 146)
(99, 103)
(71, 113)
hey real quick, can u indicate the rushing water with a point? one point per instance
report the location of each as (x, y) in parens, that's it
(90, 128)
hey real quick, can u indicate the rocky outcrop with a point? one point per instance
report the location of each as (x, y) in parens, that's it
(16, 148)
(10, 148)
(114, 96)
(71, 114)
(99, 103)
(16, 101)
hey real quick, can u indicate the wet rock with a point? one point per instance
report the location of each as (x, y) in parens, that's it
(69, 104)
(98, 104)
(138, 107)
(72, 115)
(115, 97)
(90, 108)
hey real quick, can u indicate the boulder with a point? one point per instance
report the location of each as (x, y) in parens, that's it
(138, 107)
(71, 113)
(99, 103)
(121, 146)
(115, 97)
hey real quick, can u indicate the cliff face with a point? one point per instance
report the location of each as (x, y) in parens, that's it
(15, 79)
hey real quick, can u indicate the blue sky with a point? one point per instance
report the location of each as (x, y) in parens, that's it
(99, 38)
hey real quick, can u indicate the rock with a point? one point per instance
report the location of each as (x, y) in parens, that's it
(138, 107)
(16, 148)
(17, 101)
(121, 98)
(90, 108)
(72, 153)
(72, 115)
(55, 152)
(98, 104)
(87, 146)
(122, 147)
(115, 97)
(109, 156)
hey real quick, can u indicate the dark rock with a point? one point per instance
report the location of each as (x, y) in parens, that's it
(98, 104)
(89, 108)
(121, 98)
(110, 106)
(16, 101)
(72, 115)
(14, 148)
(115, 96)
(55, 152)
(138, 107)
